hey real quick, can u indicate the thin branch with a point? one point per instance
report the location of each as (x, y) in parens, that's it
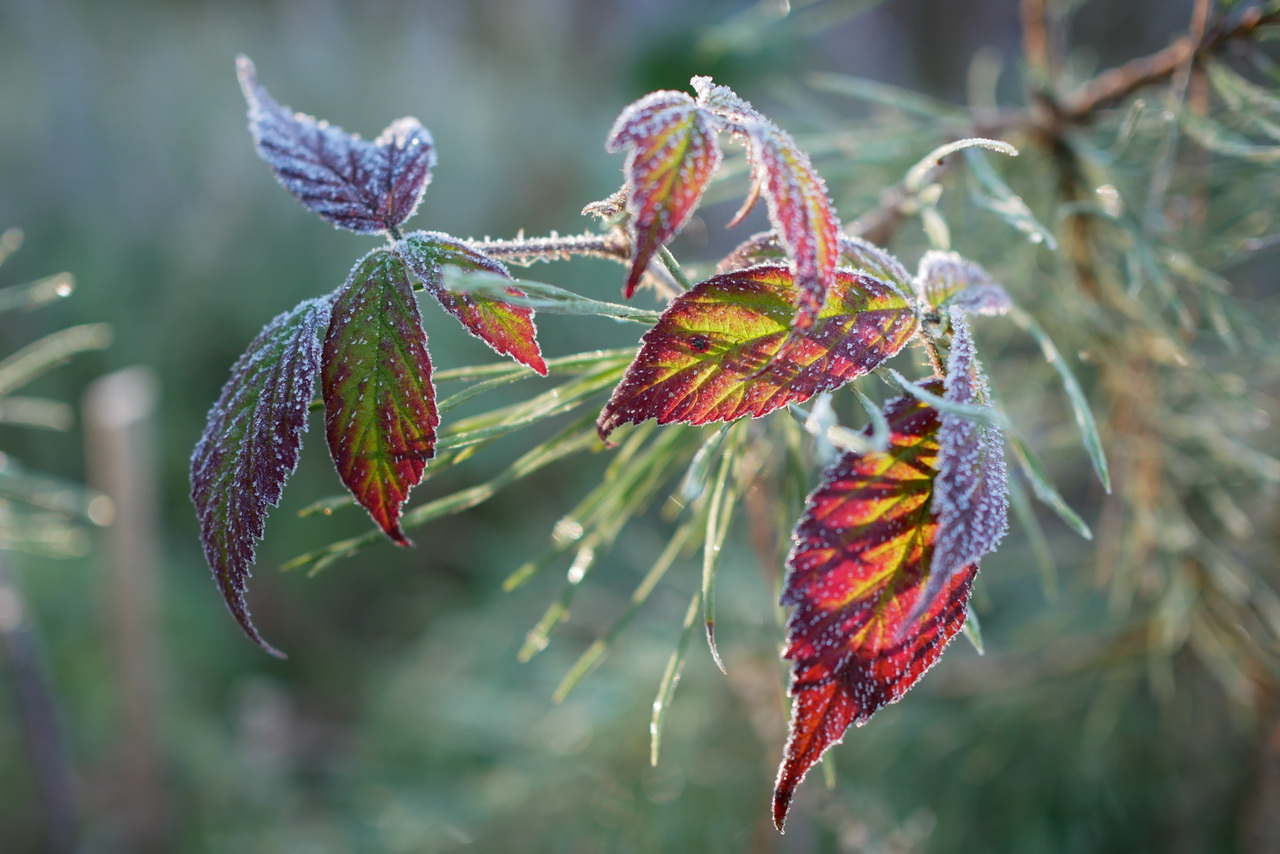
(530, 250)
(1119, 83)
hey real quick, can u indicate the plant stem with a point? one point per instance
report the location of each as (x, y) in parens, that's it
(530, 250)
(673, 267)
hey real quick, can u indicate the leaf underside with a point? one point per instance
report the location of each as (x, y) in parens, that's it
(857, 572)
(673, 152)
(362, 186)
(971, 497)
(379, 402)
(716, 353)
(250, 447)
(508, 329)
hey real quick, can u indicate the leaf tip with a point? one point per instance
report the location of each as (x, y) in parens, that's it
(715, 650)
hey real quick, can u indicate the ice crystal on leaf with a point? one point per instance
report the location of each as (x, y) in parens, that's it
(362, 186)
(715, 354)
(506, 328)
(379, 402)
(250, 447)
(673, 152)
(865, 628)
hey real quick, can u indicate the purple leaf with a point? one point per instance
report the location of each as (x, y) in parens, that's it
(971, 497)
(250, 447)
(366, 187)
(945, 279)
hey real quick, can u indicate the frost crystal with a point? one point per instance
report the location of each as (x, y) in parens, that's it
(250, 447)
(366, 187)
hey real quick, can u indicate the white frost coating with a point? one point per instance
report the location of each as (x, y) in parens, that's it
(865, 257)
(970, 495)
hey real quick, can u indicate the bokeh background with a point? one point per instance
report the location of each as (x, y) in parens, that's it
(402, 721)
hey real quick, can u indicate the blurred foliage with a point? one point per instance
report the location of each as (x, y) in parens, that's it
(1127, 698)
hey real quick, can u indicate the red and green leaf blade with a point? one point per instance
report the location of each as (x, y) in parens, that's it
(858, 571)
(801, 213)
(379, 401)
(250, 447)
(716, 353)
(362, 186)
(946, 279)
(508, 329)
(673, 151)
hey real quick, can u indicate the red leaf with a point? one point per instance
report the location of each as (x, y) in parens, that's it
(362, 186)
(801, 212)
(506, 328)
(250, 447)
(379, 403)
(673, 152)
(857, 572)
(713, 355)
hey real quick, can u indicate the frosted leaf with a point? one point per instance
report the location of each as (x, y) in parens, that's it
(865, 257)
(379, 402)
(945, 279)
(717, 352)
(971, 497)
(801, 214)
(672, 154)
(762, 248)
(362, 186)
(250, 447)
(735, 111)
(864, 629)
(506, 328)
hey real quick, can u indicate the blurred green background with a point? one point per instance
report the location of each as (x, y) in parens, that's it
(402, 721)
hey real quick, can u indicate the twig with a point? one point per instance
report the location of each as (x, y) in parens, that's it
(530, 250)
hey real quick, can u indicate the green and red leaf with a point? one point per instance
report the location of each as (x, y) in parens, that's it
(672, 154)
(362, 186)
(801, 213)
(250, 447)
(379, 402)
(506, 328)
(716, 353)
(860, 636)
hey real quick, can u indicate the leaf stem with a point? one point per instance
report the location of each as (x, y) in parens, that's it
(673, 267)
(524, 251)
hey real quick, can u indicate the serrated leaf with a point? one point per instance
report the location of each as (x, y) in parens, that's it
(857, 572)
(947, 279)
(379, 402)
(672, 154)
(714, 354)
(250, 447)
(506, 328)
(800, 212)
(971, 495)
(362, 186)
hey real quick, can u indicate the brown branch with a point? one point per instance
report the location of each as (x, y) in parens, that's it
(1035, 41)
(1119, 83)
